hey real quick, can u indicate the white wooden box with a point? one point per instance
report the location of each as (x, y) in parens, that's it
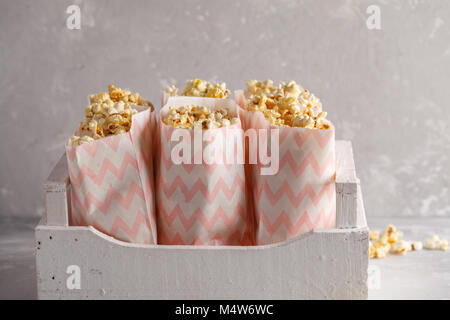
(323, 264)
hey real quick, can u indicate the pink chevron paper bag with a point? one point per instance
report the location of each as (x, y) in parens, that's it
(301, 196)
(112, 183)
(202, 203)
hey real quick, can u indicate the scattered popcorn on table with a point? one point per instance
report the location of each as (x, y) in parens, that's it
(189, 117)
(286, 104)
(109, 113)
(201, 88)
(435, 243)
(390, 242)
(382, 245)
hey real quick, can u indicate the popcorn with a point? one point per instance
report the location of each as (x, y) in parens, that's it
(390, 242)
(416, 246)
(371, 250)
(443, 245)
(189, 117)
(391, 234)
(378, 250)
(109, 113)
(435, 243)
(172, 91)
(374, 235)
(401, 247)
(201, 88)
(76, 140)
(286, 105)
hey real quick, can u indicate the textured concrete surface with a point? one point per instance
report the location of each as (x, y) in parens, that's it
(386, 90)
(17, 260)
(418, 275)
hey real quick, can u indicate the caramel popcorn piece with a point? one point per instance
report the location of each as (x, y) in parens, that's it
(217, 91)
(374, 235)
(172, 91)
(443, 245)
(390, 229)
(117, 94)
(401, 247)
(98, 98)
(76, 140)
(108, 114)
(371, 251)
(201, 88)
(286, 104)
(378, 250)
(435, 243)
(416, 246)
(189, 117)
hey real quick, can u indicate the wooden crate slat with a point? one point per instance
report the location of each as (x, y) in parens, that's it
(346, 186)
(56, 195)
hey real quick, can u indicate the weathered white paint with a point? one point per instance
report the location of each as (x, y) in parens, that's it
(323, 264)
(56, 195)
(361, 220)
(327, 264)
(346, 186)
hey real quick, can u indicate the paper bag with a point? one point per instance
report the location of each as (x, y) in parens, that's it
(202, 202)
(112, 183)
(301, 195)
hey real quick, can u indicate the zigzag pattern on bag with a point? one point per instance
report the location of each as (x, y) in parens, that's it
(323, 219)
(91, 203)
(208, 192)
(306, 198)
(112, 185)
(118, 229)
(107, 166)
(294, 198)
(301, 196)
(201, 204)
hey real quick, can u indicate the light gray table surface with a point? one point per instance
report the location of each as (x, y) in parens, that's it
(418, 275)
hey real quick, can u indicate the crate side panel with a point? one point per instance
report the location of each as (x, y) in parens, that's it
(322, 265)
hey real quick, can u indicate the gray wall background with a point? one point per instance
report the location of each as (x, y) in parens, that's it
(386, 90)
